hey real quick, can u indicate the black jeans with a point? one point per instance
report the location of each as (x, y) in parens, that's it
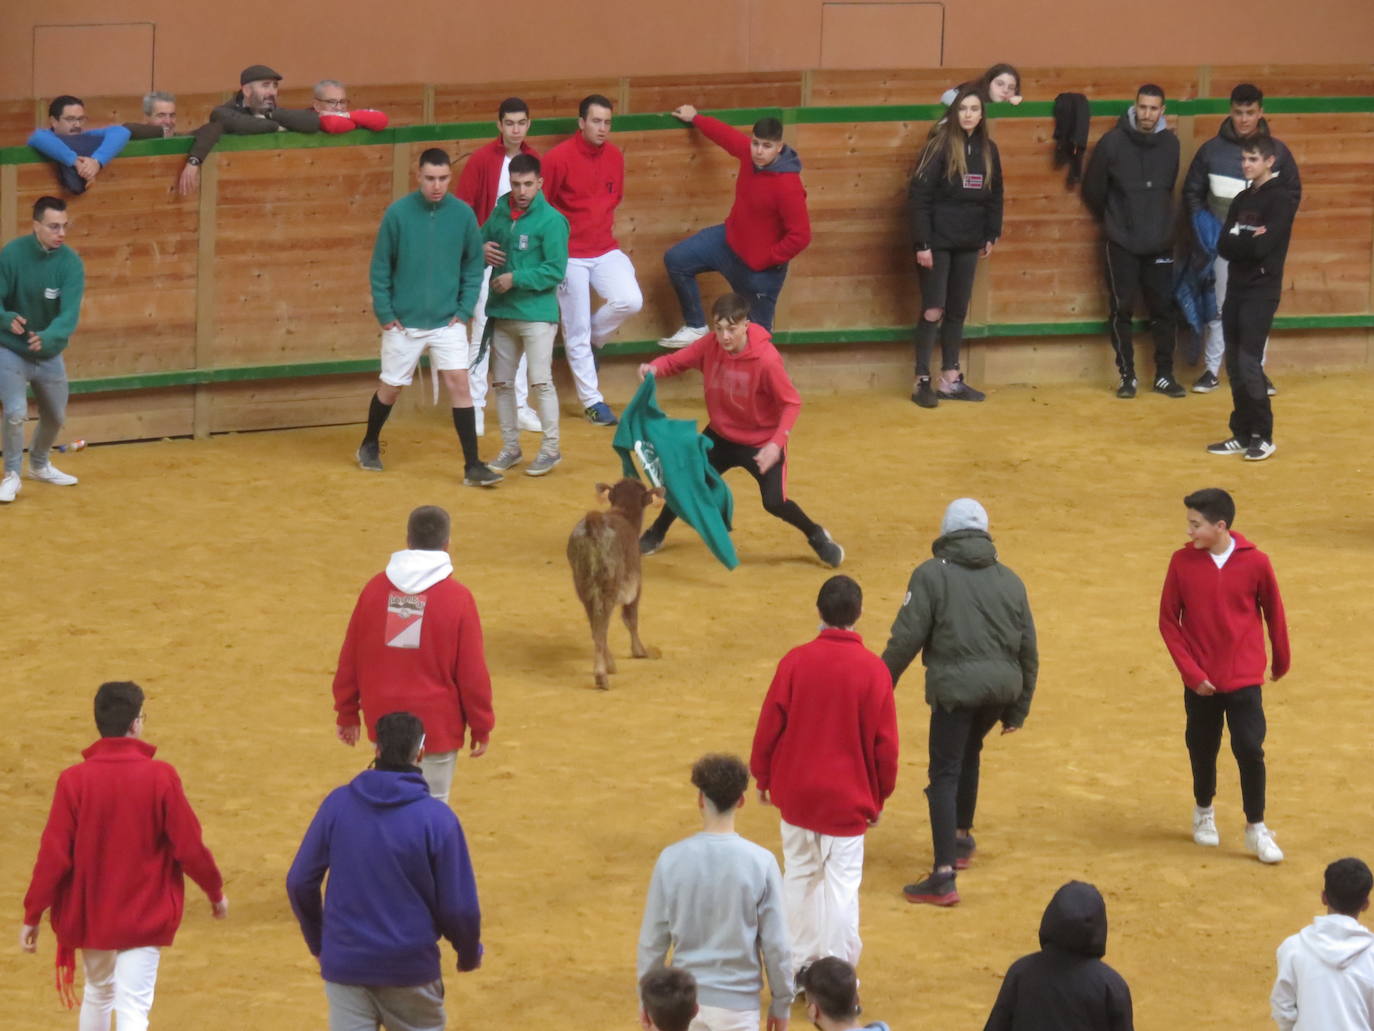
(947, 285)
(1243, 712)
(726, 454)
(1245, 323)
(956, 749)
(1150, 275)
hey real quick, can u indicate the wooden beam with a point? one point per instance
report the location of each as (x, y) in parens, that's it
(205, 292)
(427, 114)
(9, 203)
(622, 104)
(400, 171)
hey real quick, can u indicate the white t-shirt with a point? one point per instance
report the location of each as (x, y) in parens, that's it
(502, 184)
(1220, 560)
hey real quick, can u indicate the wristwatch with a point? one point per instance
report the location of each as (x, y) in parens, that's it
(193, 161)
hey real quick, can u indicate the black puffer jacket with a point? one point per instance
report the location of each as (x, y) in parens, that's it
(1065, 986)
(957, 214)
(1129, 185)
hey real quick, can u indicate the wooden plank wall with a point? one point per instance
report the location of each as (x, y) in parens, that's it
(280, 275)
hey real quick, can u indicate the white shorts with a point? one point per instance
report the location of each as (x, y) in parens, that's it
(401, 349)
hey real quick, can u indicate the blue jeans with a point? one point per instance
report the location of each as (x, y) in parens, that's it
(49, 379)
(707, 251)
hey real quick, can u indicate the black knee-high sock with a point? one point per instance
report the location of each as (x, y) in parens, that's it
(377, 414)
(465, 422)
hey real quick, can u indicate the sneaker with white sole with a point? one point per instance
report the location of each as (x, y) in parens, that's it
(1205, 827)
(480, 475)
(51, 474)
(1259, 449)
(508, 456)
(1206, 383)
(1229, 446)
(9, 488)
(543, 463)
(825, 547)
(684, 336)
(1259, 839)
(528, 421)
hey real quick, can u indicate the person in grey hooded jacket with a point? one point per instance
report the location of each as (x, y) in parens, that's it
(969, 617)
(1065, 986)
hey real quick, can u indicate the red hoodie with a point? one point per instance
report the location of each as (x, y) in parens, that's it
(1210, 618)
(118, 839)
(749, 398)
(768, 224)
(482, 175)
(420, 652)
(826, 744)
(586, 183)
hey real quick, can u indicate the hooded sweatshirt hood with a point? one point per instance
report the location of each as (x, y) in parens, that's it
(971, 548)
(413, 571)
(1337, 940)
(1076, 921)
(384, 789)
(1128, 124)
(964, 514)
(788, 160)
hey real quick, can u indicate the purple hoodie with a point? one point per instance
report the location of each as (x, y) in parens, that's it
(399, 878)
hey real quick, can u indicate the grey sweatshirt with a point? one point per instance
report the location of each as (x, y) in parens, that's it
(716, 900)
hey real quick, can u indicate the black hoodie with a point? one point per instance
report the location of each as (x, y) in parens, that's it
(1257, 261)
(1065, 986)
(1129, 185)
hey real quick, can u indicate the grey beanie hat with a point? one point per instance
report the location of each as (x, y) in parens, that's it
(964, 514)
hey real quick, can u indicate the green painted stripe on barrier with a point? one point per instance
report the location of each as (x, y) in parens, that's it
(735, 116)
(792, 338)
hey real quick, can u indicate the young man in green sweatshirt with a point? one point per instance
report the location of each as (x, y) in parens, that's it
(527, 248)
(41, 282)
(426, 271)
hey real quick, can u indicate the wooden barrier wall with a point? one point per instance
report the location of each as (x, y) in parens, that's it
(248, 305)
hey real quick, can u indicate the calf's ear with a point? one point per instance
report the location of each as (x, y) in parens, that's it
(654, 497)
(603, 492)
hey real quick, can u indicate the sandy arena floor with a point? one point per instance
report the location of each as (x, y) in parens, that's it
(220, 575)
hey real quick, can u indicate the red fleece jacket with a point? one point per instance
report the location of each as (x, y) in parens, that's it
(1212, 620)
(749, 397)
(482, 175)
(826, 744)
(586, 183)
(768, 223)
(418, 653)
(118, 839)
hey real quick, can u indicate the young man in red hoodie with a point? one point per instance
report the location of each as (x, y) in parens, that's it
(118, 841)
(1219, 593)
(484, 181)
(767, 226)
(825, 753)
(414, 644)
(584, 178)
(751, 407)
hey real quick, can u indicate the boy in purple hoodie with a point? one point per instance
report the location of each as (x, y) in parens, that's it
(398, 873)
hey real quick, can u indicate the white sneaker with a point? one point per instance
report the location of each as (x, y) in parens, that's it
(684, 336)
(1205, 827)
(529, 421)
(51, 474)
(9, 488)
(479, 417)
(1259, 839)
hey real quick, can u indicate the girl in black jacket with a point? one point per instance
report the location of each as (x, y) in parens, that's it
(956, 217)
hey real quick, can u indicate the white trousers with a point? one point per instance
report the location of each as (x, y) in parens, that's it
(118, 981)
(1214, 342)
(820, 891)
(477, 374)
(612, 276)
(438, 773)
(716, 1018)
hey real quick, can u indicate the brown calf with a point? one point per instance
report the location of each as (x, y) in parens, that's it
(603, 551)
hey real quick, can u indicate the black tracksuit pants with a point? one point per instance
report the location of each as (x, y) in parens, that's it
(956, 750)
(1151, 276)
(1243, 712)
(1245, 323)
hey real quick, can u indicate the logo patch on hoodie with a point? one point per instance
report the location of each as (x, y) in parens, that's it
(973, 180)
(405, 613)
(52, 293)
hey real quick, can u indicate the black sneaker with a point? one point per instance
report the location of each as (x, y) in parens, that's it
(370, 456)
(1269, 387)
(961, 391)
(1169, 387)
(1229, 446)
(1206, 383)
(1259, 449)
(825, 547)
(480, 475)
(650, 542)
(937, 890)
(964, 848)
(1126, 388)
(925, 395)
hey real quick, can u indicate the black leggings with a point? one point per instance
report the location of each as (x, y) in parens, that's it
(1243, 711)
(726, 454)
(947, 285)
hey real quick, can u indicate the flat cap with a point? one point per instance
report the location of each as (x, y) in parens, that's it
(254, 73)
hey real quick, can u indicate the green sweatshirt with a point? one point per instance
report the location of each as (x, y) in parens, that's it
(426, 263)
(536, 246)
(43, 286)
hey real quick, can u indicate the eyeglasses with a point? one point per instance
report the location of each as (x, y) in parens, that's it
(72, 119)
(339, 105)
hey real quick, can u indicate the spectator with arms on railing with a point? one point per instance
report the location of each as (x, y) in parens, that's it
(78, 153)
(160, 122)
